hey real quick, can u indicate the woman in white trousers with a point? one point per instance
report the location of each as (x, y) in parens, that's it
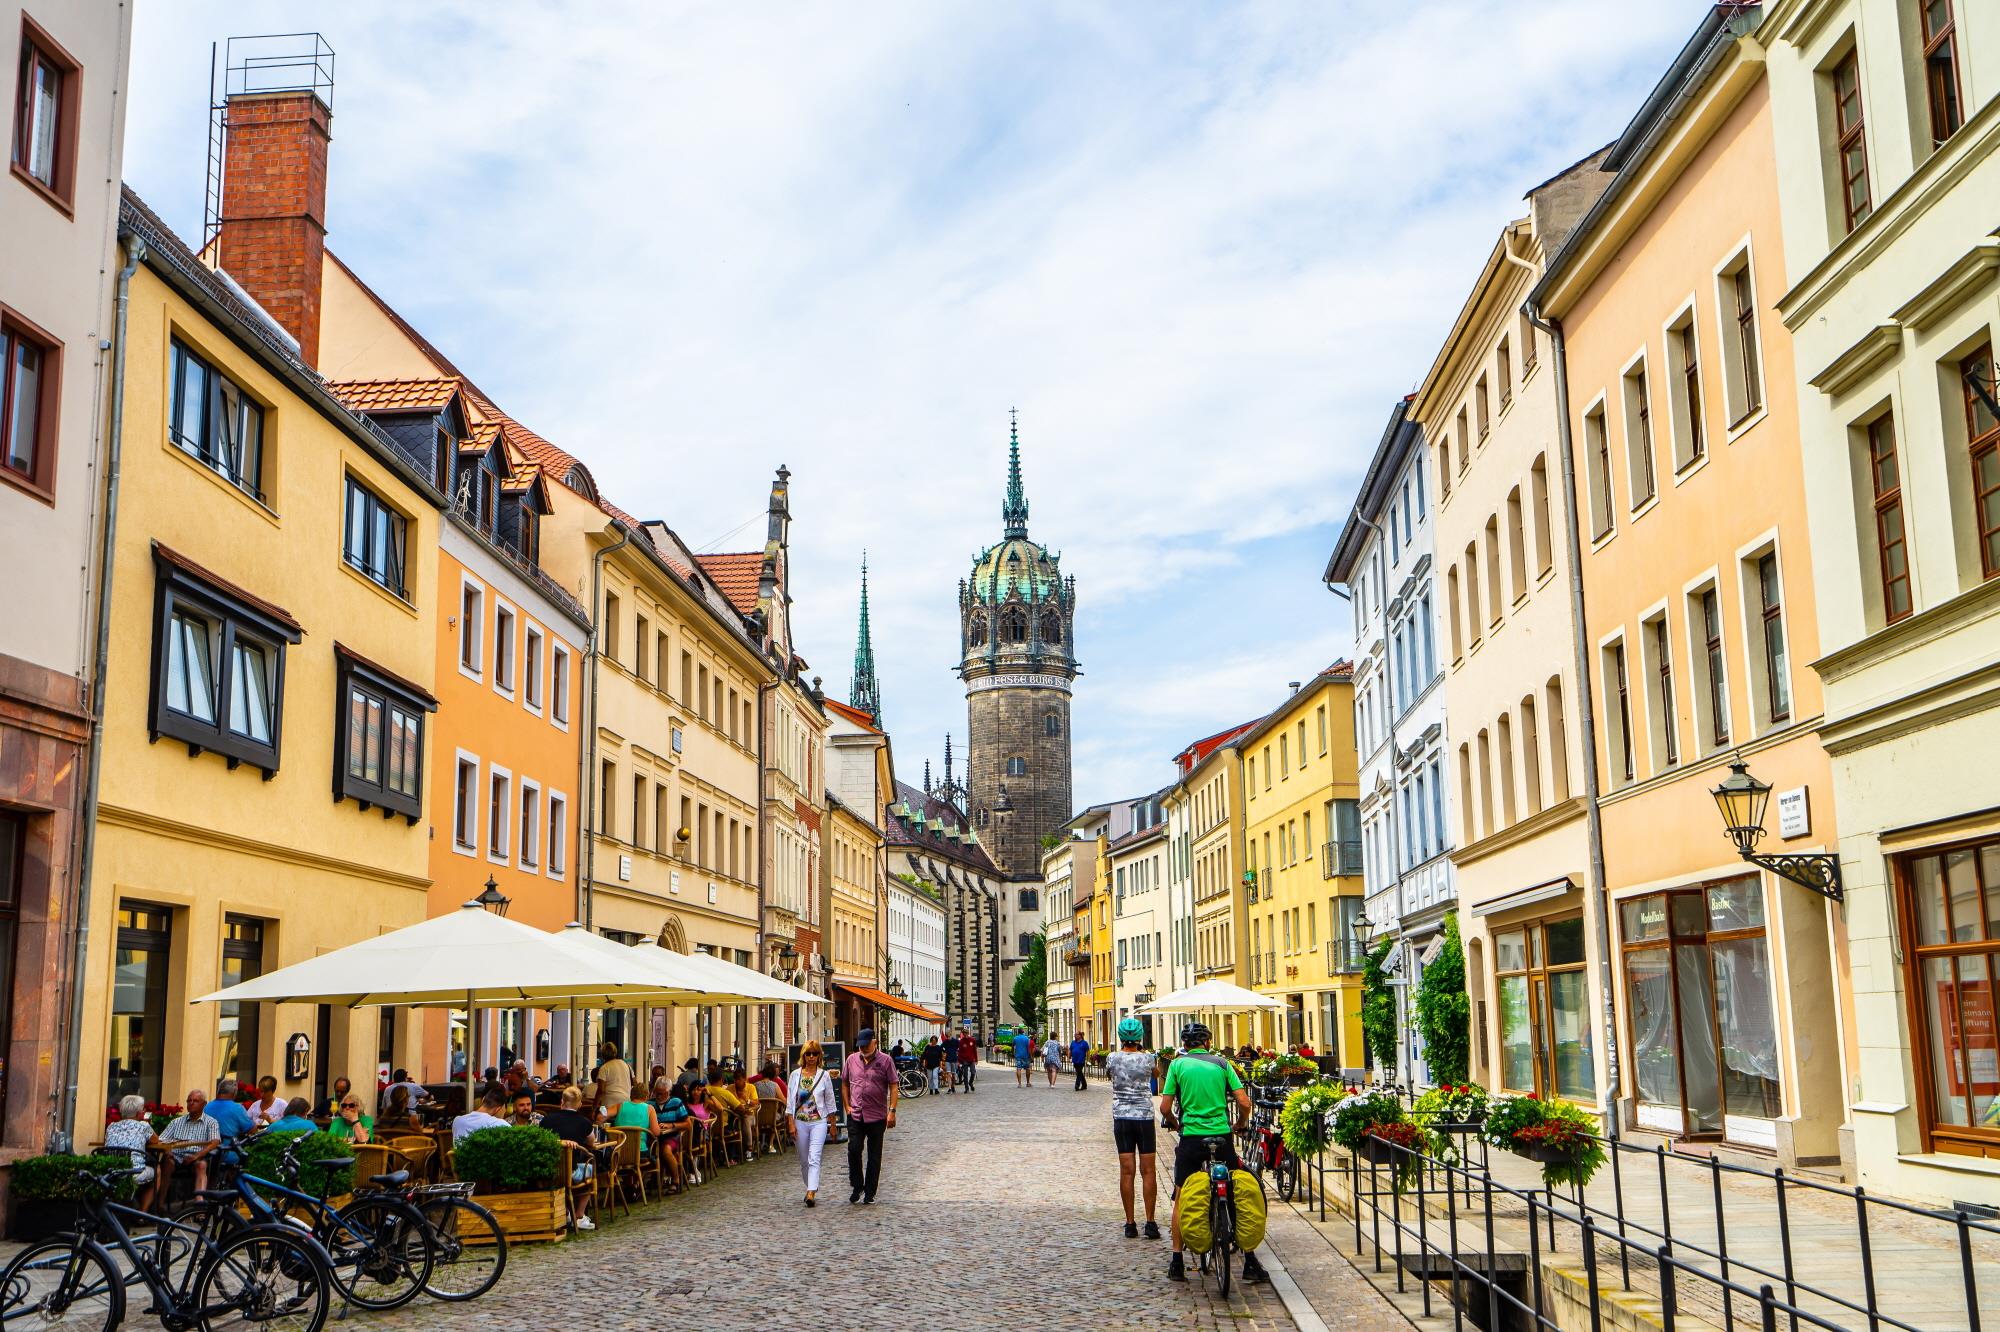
(809, 1103)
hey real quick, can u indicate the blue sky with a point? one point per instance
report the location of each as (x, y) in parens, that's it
(1201, 247)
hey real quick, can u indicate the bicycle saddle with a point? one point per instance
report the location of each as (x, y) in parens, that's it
(332, 1162)
(217, 1195)
(395, 1179)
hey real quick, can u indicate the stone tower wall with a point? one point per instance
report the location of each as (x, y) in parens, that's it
(1011, 722)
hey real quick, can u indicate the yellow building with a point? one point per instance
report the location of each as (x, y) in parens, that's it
(1069, 877)
(1298, 764)
(1213, 776)
(264, 649)
(854, 929)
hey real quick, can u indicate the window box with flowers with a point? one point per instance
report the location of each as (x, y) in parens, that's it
(1557, 1134)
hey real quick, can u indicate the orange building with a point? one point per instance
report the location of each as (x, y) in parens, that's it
(505, 743)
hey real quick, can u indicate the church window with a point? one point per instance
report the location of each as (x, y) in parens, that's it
(1013, 626)
(978, 631)
(1051, 628)
(1017, 766)
(1052, 724)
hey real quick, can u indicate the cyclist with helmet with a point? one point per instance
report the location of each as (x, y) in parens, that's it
(1200, 1089)
(1131, 1069)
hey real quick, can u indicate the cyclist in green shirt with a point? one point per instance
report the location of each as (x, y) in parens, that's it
(1200, 1089)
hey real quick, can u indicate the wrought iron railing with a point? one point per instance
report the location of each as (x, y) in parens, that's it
(1794, 1260)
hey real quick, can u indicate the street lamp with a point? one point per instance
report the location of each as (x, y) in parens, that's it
(896, 986)
(492, 899)
(1146, 995)
(1742, 799)
(788, 957)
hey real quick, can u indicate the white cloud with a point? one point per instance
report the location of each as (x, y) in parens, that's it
(1201, 248)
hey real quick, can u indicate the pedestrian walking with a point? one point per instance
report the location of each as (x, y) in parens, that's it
(870, 1090)
(950, 1060)
(968, 1061)
(1079, 1054)
(1132, 1127)
(933, 1060)
(1024, 1053)
(1051, 1056)
(809, 1103)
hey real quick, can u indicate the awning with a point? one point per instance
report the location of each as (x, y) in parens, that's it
(1551, 891)
(883, 999)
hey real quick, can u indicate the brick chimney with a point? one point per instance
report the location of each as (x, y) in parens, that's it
(273, 234)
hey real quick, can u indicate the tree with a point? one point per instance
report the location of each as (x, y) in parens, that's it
(1378, 1007)
(1444, 1012)
(1031, 982)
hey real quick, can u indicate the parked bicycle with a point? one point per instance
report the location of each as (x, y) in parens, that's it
(911, 1079)
(470, 1246)
(1264, 1146)
(379, 1247)
(270, 1276)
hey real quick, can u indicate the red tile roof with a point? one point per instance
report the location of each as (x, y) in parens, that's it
(736, 574)
(394, 395)
(1190, 758)
(853, 714)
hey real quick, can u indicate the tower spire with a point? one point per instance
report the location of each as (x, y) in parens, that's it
(1014, 513)
(865, 692)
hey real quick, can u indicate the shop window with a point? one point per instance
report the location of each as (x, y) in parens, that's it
(1951, 916)
(1545, 1012)
(139, 1002)
(1702, 1022)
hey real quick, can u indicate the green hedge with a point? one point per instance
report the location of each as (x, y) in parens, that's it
(53, 1178)
(262, 1156)
(514, 1158)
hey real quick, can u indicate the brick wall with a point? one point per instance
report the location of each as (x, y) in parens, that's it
(273, 239)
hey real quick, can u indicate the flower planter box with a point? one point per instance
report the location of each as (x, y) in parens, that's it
(1372, 1148)
(1545, 1155)
(538, 1214)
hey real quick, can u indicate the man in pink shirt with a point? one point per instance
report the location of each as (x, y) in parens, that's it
(869, 1089)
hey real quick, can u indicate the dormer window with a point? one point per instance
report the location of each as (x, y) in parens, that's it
(489, 499)
(441, 458)
(530, 542)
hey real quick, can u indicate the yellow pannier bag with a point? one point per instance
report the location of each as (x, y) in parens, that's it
(1252, 1212)
(1192, 1208)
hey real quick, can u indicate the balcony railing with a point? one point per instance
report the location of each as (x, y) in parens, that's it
(1344, 956)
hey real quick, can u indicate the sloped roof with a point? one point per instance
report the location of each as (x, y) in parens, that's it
(854, 714)
(737, 575)
(1190, 758)
(395, 395)
(917, 832)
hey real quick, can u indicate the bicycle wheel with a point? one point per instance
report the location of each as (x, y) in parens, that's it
(267, 1277)
(1253, 1154)
(1225, 1242)
(381, 1251)
(1288, 1177)
(471, 1248)
(66, 1283)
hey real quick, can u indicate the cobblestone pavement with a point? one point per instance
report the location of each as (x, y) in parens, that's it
(996, 1210)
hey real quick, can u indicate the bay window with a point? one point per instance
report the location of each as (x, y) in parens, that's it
(218, 664)
(379, 737)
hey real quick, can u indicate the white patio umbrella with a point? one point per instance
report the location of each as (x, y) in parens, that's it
(1211, 996)
(464, 959)
(754, 986)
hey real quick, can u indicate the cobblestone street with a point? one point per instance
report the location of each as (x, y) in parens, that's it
(996, 1210)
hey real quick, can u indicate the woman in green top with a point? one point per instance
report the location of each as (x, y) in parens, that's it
(349, 1122)
(638, 1115)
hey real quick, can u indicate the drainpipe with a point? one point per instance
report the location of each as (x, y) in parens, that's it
(766, 833)
(59, 1131)
(587, 783)
(1586, 711)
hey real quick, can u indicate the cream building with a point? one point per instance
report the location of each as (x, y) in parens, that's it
(1525, 885)
(1180, 888)
(1059, 931)
(1139, 930)
(1886, 121)
(59, 215)
(1700, 617)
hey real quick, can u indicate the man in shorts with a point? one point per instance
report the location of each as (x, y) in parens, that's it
(1131, 1070)
(1200, 1089)
(1024, 1047)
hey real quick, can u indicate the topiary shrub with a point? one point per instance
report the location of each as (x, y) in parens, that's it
(510, 1160)
(262, 1160)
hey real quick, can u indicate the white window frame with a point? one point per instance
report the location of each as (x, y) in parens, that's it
(1750, 616)
(1741, 257)
(1658, 717)
(528, 832)
(555, 849)
(533, 664)
(1600, 531)
(559, 684)
(1641, 362)
(1699, 684)
(499, 846)
(466, 756)
(478, 631)
(1687, 312)
(505, 653)
(1614, 751)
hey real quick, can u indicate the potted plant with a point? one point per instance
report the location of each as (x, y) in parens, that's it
(1302, 1121)
(517, 1174)
(1296, 1069)
(43, 1191)
(1449, 1112)
(1559, 1135)
(1400, 1145)
(1353, 1116)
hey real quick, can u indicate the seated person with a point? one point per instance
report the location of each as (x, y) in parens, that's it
(349, 1122)
(132, 1134)
(770, 1087)
(560, 1078)
(267, 1107)
(668, 1106)
(295, 1118)
(414, 1092)
(487, 1116)
(638, 1115)
(569, 1123)
(328, 1105)
(690, 1076)
(525, 1115)
(399, 1117)
(228, 1113)
(189, 1138)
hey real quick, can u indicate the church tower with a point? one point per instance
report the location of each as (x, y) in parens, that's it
(864, 691)
(1017, 621)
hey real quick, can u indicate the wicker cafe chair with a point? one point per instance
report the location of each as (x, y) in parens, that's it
(628, 1162)
(577, 1193)
(421, 1149)
(734, 1143)
(669, 1158)
(611, 1193)
(771, 1126)
(701, 1148)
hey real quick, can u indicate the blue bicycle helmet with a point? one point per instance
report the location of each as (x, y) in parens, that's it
(1132, 1030)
